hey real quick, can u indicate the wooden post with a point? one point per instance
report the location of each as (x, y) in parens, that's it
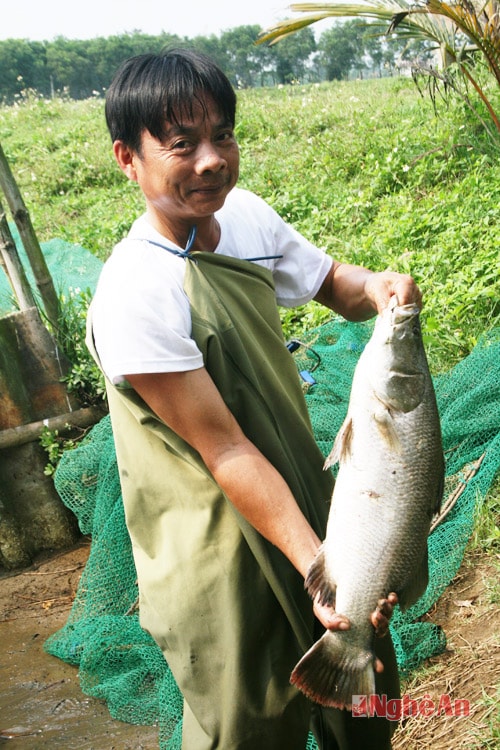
(9, 257)
(36, 258)
(32, 516)
(31, 371)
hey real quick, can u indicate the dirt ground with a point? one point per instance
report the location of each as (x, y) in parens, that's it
(468, 670)
(41, 703)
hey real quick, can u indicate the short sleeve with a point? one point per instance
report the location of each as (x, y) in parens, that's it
(141, 321)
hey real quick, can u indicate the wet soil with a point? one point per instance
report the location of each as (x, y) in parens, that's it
(41, 703)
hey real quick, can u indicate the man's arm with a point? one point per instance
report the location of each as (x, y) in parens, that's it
(357, 293)
(190, 404)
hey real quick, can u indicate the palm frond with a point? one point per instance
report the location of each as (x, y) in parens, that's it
(383, 12)
(284, 28)
(320, 11)
(445, 23)
(479, 22)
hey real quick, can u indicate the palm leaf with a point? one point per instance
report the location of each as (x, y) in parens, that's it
(445, 23)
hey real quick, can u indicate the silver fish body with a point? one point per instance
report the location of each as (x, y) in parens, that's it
(389, 485)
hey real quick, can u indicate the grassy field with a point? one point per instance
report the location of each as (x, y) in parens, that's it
(365, 169)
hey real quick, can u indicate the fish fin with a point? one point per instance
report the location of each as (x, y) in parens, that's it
(332, 671)
(342, 445)
(317, 581)
(385, 423)
(416, 586)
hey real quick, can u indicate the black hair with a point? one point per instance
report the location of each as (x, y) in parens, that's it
(150, 90)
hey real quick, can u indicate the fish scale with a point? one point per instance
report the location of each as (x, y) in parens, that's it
(389, 485)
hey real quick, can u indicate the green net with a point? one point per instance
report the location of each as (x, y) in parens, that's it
(120, 663)
(72, 268)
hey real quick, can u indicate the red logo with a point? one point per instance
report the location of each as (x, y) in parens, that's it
(395, 709)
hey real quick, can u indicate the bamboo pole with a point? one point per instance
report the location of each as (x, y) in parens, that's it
(21, 216)
(63, 423)
(9, 258)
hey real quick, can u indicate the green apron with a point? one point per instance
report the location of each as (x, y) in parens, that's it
(227, 608)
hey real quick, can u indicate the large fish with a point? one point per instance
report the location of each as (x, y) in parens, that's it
(389, 485)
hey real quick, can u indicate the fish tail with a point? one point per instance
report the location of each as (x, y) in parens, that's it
(333, 670)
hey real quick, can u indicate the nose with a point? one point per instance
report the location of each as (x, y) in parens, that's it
(209, 158)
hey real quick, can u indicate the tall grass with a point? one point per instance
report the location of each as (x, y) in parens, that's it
(365, 169)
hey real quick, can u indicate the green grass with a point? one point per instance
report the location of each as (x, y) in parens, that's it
(486, 535)
(490, 723)
(364, 169)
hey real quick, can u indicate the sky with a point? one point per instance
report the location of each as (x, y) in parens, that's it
(43, 20)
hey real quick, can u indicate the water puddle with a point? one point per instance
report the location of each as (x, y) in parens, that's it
(41, 703)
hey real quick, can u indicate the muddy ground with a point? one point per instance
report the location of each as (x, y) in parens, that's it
(41, 704)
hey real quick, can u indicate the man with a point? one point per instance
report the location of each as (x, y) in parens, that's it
(225, 498)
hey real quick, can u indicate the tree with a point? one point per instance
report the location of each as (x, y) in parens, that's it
(23, 65)
(457, 28)
(291, 56)
(340, 49)
(245, 59)
(70, 67)
(374, 51)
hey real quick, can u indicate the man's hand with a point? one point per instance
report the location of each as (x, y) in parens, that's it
(380, 617)
(380, 287)
(327, 616)
(358, 294)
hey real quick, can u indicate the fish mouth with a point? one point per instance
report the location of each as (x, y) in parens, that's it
(401, 313)
(404, 313)
(397, 320)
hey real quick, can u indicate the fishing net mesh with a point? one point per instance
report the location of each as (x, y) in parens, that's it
(121, 663)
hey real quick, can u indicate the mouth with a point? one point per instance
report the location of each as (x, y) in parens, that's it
(210, 189)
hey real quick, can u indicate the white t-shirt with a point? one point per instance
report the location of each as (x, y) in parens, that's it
(140, 313)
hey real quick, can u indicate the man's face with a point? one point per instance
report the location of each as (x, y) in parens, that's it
(186, 176)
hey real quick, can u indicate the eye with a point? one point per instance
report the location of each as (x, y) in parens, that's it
(225, 135)
(182, 144)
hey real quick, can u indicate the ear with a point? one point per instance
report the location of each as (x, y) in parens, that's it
(125, 158)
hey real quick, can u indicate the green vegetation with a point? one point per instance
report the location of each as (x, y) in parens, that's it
(364, 168)
(464, 32)
(54, 446)
(492, 721)
(80, 68)
(85, 380)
